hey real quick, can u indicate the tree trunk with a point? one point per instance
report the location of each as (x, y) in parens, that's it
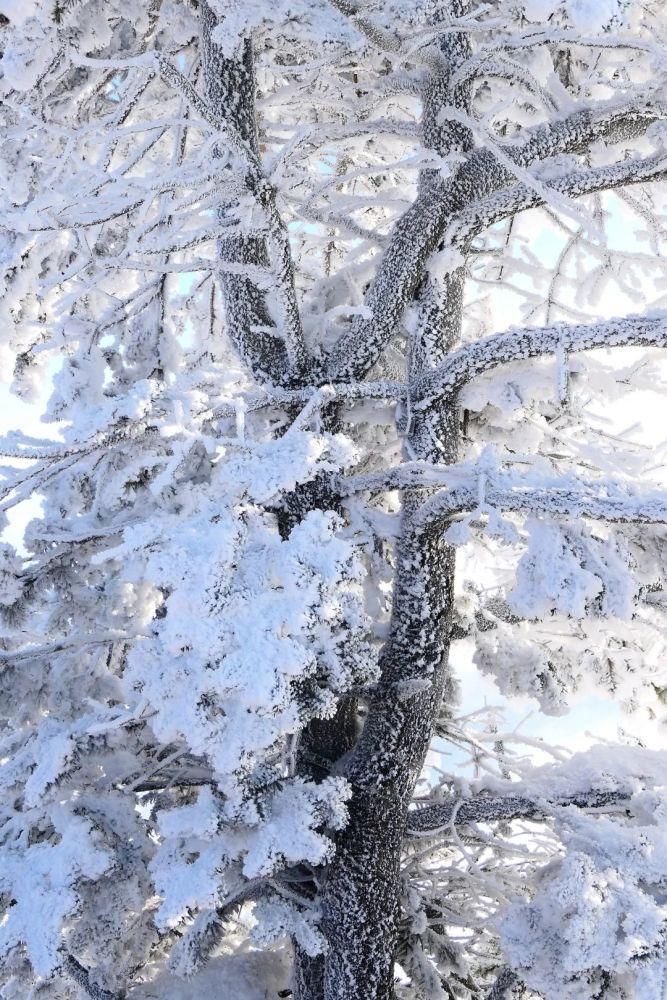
(361, 897)
(361, 894)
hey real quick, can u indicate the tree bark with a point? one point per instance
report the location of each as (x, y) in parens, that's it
(361, 897)
(272, 346)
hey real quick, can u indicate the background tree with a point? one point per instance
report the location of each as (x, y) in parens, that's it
(317, 292)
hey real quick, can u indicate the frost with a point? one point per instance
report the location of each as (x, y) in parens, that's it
(186, 876)
(522, 667)
(459, 532)
(200, 841)
(199, 820)
(272, 613)
(568, 571)
(19, 11)
(11, 586)
(443, 263)
(26, 56)
(248, 976)
(252, 310)
(278, 919)
(56, 749)
(43, 880)
(586, 15)
(239, 18)
(266, 470)
(599, 915)
(606, 768)
(41, 760)
(281, 841)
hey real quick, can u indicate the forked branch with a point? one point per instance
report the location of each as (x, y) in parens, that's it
(421, 229)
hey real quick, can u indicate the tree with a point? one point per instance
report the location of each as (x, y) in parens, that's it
(265, 259)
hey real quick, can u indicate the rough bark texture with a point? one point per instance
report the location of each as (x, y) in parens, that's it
(272, 346)
(361, 894)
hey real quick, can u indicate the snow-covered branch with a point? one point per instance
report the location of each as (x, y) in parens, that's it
(81, 977)
(420, 230)
(432, 819)
(603, 502)
(471, 360)
(382, 39)
(267, 334)
(466, 487)
(315, 397)
(408, 476)
(506, 987)
(225, 635)
(609, 122)
(574, 184)
(230, 135)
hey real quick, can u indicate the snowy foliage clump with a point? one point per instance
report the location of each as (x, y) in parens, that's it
(567, 571)
(598, 920)
(236, 637)
(586, 15)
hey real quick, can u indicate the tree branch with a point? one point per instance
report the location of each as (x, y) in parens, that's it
(475, 218)
(466, 487)
(421, 228)
(383, 40)
(481, 356)
(316, 397)
(605, 502)
(408, 476)
(607, 121)
(507, 986)
(274, 352)
(81, 977)
(428, 820)
(229, 134)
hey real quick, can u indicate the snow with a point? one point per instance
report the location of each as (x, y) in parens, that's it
(569, 571)
(297, 591)
(197, 845)
(597, 913)
(250, 976)
(26, 56)
(586, 15)
(41, 878)
(239, 18)
(18, 11)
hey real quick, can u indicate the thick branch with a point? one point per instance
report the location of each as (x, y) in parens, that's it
(506, 987)
(315, 398)
(272, 347)
(428, 820)
(607, 122)
(382, 39)
(81, 977)
(466, 487)
(475, 218)
(230, 135)
(360, 901)
(484, 355)
(421, 228)
(573, 500)
(408, 476)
